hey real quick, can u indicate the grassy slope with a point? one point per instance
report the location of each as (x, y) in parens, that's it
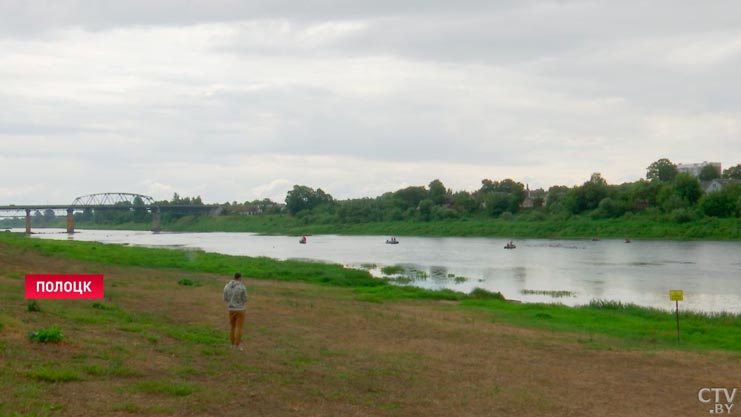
(639, 227)
(575, 227)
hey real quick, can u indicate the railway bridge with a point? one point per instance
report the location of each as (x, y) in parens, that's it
(106, 201)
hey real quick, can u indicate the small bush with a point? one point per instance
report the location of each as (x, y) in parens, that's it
(33, 306)
(188, 282)
(482, 294)
(100, 306)
(48, 335)
(683, 215)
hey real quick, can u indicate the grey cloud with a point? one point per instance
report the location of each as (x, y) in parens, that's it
(35, 16)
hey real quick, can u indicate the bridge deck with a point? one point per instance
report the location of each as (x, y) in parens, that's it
(22, 207)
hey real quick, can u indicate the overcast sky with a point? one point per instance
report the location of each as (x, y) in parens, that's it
(240, 100)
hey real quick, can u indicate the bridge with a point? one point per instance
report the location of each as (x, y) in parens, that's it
(106, 201)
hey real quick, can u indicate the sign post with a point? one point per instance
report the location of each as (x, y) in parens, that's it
(677, 296)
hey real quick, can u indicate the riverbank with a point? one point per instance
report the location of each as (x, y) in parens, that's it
(632, 324)
(154, 347)
(573, 227)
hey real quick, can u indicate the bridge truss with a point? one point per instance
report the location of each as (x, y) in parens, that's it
(110, 199)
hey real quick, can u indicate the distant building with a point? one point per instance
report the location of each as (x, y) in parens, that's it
(695, 169)
(716, 184)
(528, 202)
(533, 198)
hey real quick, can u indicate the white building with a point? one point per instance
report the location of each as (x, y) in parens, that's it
(694, 169)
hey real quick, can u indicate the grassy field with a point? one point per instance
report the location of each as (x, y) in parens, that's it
(326, 341)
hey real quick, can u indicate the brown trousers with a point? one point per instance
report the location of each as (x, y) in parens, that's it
(236, 322)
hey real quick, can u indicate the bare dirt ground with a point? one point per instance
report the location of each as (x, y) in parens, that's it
(316, 351)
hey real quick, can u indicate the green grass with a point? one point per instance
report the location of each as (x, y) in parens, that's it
(177, 389)
(47, 335)
(195, 334)
(524, 225)
(640, 226)
(637, 326)
(55, 373)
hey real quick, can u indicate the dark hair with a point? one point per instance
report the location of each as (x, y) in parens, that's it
(237, 275)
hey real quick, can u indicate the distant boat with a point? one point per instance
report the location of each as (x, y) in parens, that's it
(510, 245)
(595, 239)
(302, 240)
(627, 240)
(392, 241)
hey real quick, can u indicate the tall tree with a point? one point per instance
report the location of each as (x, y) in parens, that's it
(708, 173)
(410, 197)
(733, 172)
(663, 170)
(687, 187)
(437, 192)
(302, 197)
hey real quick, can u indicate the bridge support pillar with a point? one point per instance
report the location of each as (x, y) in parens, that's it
(28, 221)
(70, 221)
(156, 225)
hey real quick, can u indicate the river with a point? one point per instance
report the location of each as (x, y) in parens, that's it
(640, 272)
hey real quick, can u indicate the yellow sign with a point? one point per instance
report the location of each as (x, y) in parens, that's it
(676, 295)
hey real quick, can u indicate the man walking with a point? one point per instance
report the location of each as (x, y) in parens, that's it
(235, 293)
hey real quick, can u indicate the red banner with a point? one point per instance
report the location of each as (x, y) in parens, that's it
(64, 286)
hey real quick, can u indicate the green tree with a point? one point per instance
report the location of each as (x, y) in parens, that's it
(425, 209)
(497, 203)
(49, 216)
(302, 198)
(717, 205)
(410, 197)
(555, 198)
(140, 213)
(733, 172)
(514, 192)
(687, 187)
(663, 170)
(588, 195)
(608, 208)
(437, 192)
(464, 202)
(643, 194)
(708, 173)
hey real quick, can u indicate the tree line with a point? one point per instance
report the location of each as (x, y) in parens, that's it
(665, 192)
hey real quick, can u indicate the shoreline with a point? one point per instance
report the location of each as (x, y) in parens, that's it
(602, 317)
(408, 275)
(573, 227)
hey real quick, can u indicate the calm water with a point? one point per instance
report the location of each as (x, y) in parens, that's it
(641, 272)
